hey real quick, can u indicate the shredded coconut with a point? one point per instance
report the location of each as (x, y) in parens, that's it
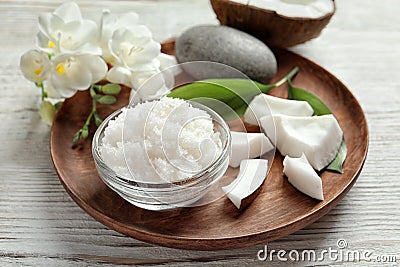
(161, 141)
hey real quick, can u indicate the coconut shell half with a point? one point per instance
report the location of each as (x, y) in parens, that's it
(272, 28)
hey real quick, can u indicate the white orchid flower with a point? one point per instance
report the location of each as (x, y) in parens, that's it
(71, 73)
(52, 94)
(168, 61)
(120, 75)
(110, 23)
(137, 59)
(151, 85)
(35, 66)
(65, 31)
(155, 84)
(134, 48)
(147, 85)
(134, 51)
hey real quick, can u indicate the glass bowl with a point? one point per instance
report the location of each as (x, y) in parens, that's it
(165, 195)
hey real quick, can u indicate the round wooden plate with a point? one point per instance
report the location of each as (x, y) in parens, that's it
(279, 209)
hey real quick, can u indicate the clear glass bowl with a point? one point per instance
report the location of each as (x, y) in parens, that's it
(165, 195)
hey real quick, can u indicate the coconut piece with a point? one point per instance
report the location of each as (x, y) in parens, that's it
(248, 146)
(244, 2)
(243, 190)
(303, 177)
(280, 23)
(258, 108)
(296, 8)
(318, 137)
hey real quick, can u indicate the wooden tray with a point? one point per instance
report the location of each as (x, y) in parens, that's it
(279, 209)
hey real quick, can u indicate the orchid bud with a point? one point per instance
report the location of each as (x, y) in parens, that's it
(47, 111)
(35, 66)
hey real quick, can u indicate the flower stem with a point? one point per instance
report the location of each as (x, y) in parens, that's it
(103, 94)
(84, 131)
(94, 107)
(44, 93)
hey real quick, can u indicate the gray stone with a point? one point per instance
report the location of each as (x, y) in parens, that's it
(227, 46)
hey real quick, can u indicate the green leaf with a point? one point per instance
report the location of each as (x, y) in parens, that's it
(111, 89)
(319, 109)
(236, 93)
(107, 99)
(223, 109)
(97, 119)
(337, 163)
(221, 89)
(300, 94)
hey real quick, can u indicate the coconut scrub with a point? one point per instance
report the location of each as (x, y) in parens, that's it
(167, 140)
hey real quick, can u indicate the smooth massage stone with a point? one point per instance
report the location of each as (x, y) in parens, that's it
(228, 46)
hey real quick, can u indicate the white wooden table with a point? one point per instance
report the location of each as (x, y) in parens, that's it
(41, 226)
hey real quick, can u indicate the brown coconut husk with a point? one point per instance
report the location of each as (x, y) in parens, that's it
(272, 28)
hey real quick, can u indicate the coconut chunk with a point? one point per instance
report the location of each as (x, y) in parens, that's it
(296, 8)
(248, 146)
(243, 2)
(244, 188)
(318, 137)
(258, 108)
(303, 177)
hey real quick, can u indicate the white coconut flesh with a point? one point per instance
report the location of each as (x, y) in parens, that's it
(248, 146)
(258, 108)
(312, 9)
(303, 177)
(251, 176)
(318, 137)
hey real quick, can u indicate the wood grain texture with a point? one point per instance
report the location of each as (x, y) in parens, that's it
(41, 226)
